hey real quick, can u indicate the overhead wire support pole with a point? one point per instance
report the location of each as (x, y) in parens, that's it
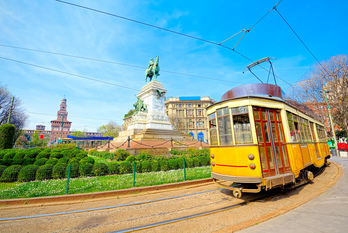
(10, 112)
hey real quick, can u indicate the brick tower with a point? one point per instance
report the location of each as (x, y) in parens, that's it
(56, 125)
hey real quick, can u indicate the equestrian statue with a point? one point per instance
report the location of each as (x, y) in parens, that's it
(152, 70)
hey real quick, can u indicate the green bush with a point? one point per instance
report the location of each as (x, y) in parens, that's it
(17, 161)
(180, 162)
(114, 168)
(3, 153)
(45, 154)
(19, 155)
(189, 162)
(9, 155)
(44, 172)
(58, 171)
(7, 133)
(121, 154)
(125, 167)
(164, 165)
(175, 152)
(204, 152)
(28, 162)
(146, 166)
(155, 166)
(85, 169)
(74, 170)
(56, 155)
(74, 161)
(144, 155)
(63, 161)
(27, 173)
(10, 174)
(204, 160)
(52, 161)
(40, 162)
(87, 160)
(81, 155)
(2, 169)
(137, 166)
(100, 169)
(195, 162)
(6, 162)
(130, 159)
(32, 153)
(173, 164)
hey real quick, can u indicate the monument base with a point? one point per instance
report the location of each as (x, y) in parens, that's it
(152, 134)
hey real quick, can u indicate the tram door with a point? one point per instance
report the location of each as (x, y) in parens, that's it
(271, 142)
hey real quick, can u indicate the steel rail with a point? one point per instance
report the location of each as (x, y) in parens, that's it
(151, 225)
(106, 207)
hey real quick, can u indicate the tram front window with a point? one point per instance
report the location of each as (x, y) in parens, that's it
(241, 125)
(212, 129)
(224, 122)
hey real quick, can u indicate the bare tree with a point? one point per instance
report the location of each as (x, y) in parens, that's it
(331, 76)
(18, 118)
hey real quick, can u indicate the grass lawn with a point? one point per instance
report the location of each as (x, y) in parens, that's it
(99, 183)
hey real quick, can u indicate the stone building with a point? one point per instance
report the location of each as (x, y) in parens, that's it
(189, 115)
(62, 117)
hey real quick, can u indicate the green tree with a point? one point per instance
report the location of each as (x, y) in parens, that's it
(110, 130)
(78, 134)
(36, 141)
(130, 113)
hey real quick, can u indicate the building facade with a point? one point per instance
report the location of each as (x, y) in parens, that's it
(189, 115)
(57, 131)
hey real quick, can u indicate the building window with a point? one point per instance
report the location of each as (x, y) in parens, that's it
(199, 105)
(189, 105)
(190, 112)
(199, 112)
(180, 105)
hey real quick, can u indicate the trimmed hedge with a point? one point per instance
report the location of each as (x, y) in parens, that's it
(114, 168)
(130, 159)
(58, 171)
(146, 166)
(87, 160)
(173, 164)
(125, 167)
(100, 169)
(155, 166)
(2, 169)
(74, 170)
(7, 133)
(28, 173)
(10, 174)
(52, 161)
(45, 154)
(44, 172)
(40, 162)
(85, 169)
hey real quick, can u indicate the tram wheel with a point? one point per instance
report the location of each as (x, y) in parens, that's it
(237, 193)
(310, 175)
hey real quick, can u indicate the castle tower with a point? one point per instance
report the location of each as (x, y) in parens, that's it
(56, 125)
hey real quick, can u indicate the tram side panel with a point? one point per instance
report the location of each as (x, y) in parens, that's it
(236, 163)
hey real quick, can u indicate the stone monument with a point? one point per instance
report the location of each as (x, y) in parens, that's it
(149, 121)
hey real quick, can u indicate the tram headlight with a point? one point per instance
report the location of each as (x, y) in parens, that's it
(212, 156)
(251, 157)
(213, 164)
(252, 166)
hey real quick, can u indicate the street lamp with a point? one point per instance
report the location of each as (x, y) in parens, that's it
(332, 127)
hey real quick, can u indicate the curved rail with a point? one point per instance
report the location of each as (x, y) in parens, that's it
(106, 207)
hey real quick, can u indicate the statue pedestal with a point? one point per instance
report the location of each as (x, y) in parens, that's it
(153, 124)
(153, 96)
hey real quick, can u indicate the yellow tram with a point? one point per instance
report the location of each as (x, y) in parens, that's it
(258, 140)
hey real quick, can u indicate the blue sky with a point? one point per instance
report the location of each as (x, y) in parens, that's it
(52, 26)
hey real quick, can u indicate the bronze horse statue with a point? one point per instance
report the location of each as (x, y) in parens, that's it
(153, 70)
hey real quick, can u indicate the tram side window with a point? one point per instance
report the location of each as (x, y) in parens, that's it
(224, 127)
(295, 125)
(291, 127)
(321, 133)
(212, 129)
(241, 125)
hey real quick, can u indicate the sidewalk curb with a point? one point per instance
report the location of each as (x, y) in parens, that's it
(84, 196)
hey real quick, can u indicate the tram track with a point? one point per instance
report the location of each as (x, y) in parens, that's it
(104, 208)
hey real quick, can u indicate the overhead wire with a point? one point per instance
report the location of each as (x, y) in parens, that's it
(112, 62)
(168, 30)
(299, 38)
(63, 72)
